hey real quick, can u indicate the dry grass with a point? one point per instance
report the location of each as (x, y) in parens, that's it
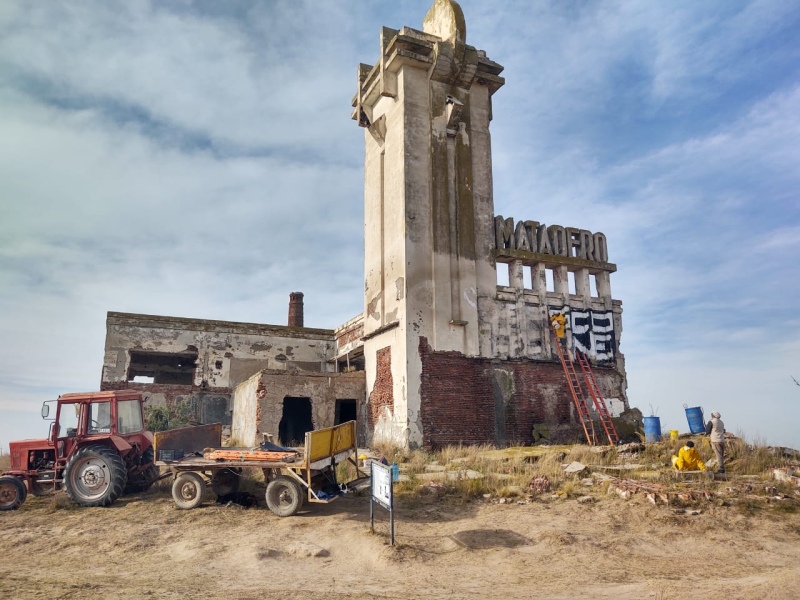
(5, 460)
(473, 471)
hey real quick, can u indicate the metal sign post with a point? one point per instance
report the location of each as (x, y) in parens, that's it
(381, 492)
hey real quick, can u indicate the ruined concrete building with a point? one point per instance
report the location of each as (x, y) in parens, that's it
(445, 351)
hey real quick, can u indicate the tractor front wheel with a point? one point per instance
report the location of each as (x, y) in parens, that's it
(188, 490)
(12, 492)
(95, 476)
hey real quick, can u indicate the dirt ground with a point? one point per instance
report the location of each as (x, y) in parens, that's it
(445, 548)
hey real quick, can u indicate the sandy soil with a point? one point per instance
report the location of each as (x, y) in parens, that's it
(559, 549)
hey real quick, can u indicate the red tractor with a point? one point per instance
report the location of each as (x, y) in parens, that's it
(97, 448)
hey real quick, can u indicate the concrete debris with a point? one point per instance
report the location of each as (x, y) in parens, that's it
(586, 500)
(588, 482)
(575, 467)
(787, 474)
(305, 549)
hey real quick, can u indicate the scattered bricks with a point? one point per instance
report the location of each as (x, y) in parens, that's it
(539, 485)
(786, 474)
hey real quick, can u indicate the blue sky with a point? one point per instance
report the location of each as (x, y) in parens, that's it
(197, 159)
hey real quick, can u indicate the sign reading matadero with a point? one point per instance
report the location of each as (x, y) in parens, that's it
(532, 236)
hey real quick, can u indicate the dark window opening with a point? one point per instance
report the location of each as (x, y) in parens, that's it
(345, 411)
(295, 422)
(162, 367)
(355, 362)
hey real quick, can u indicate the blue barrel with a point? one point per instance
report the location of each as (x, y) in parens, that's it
(652, 429)
(695, 417)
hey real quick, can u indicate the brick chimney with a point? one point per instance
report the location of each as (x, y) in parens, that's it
(296, 309)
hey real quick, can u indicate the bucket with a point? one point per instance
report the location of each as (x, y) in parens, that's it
(673, 434)
(695, 417)
(652, 429)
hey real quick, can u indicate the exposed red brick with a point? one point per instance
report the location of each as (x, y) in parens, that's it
(382, 392)
(463, 400)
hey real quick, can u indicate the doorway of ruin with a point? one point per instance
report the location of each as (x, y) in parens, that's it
(295, 421)
(345, 411)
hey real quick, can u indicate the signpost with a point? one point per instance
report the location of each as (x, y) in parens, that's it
(381, 492)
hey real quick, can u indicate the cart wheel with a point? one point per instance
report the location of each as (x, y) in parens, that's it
(224, 482)
(284, 496)
(188, 490)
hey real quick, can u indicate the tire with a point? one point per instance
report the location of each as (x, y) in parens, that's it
(40, 490)
(12, 493)
(188, 490)
(283, 496)
(142, 481)
(95, 476)
(225, 481)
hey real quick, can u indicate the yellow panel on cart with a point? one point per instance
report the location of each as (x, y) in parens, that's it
(323, 443)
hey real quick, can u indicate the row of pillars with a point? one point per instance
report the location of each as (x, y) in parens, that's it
(560, 279)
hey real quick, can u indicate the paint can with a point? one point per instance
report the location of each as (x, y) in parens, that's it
(652, 429)
(673, 434)
(695, 417)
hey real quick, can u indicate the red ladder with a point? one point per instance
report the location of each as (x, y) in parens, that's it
(597, 397)
(577, 391)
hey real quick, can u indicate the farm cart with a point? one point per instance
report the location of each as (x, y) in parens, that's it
(97, 448)
(292, 476)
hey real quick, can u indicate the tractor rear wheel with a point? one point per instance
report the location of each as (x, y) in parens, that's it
(142, 481)
(95, 476)
(283, 496)
(188, 490)
(12, 492)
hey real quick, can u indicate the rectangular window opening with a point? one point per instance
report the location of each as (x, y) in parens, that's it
(593, 286)
(503, 275)
(548, 275)
(571, 282)
(527, 278)
(162, 367)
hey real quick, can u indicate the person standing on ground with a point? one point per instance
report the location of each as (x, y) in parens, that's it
(716, 429)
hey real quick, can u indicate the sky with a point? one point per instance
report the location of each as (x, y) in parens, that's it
(197, 159)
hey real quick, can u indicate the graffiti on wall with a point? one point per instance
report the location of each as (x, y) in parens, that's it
(592, 330)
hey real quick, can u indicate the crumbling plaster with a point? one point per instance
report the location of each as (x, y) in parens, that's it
(258, 401)
(227, 352)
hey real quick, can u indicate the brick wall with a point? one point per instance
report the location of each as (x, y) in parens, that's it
(477, 400)
(382, 391)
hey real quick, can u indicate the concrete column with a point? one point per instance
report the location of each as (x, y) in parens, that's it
(539, 279)
(515, 277)
(561, 280)
(603, 281)
(582, 286)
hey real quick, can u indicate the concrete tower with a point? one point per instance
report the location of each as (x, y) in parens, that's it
(429, 233)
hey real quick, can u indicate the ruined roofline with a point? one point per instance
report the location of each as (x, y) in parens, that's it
(349, 324)
(164, 322)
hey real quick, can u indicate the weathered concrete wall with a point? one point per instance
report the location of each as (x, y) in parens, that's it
(260, 400)
(208, 405)
(246, 412)
(227, 352)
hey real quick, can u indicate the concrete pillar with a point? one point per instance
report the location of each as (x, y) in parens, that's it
(515, 276)
(539, 279)
(582, 286)
(603, 281)
(561, 280)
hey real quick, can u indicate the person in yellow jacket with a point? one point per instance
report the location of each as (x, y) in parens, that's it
(688, 459)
